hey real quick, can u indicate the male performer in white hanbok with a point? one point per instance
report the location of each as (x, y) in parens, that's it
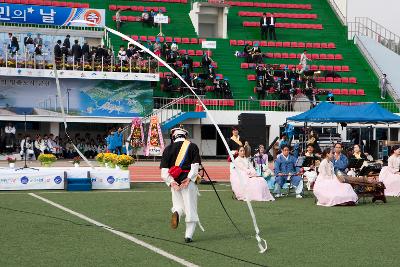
(179, 169)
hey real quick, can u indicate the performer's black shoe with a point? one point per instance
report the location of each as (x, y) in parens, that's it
(188, 240)
(175, 220)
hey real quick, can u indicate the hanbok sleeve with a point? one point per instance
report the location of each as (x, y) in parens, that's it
(393, 164)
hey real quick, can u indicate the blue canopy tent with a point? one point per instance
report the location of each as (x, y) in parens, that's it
(327, 112)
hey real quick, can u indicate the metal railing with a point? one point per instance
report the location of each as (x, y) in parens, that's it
(337, 11)
(88, 63)
(378, 71)
(188, 103)
(368, 27)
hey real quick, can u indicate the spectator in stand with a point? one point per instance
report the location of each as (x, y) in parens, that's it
(27, 148)
(264, 27)
(69, 151)
(226, 88)
(157, 47)
(152, 15)
(211, 72)
(65, 52)
(76, 51)
(38, 50)
(118, 19)
(168, 84)
(57, 51)
(205, 62)
(14, 45)
(271, 26)
(118, 136)
(122, 54)
(383, 82)
(174, 47)
(186, 70)
(171, 59)
(166, 48)
(247, 53)
(188, 60)
(47, 145)
(260, 88)
(86, 50)
(38, 40)
(256, 54)
(67, 43)
(28, 39)
(38, 146)
(303, 61)
(330, 97)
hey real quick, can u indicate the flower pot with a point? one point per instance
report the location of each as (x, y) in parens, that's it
(11, 165)
(76, 165)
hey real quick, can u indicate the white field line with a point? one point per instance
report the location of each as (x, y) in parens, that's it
(101, 192)
(118, 233)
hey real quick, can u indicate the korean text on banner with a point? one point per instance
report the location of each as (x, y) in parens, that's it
(50, 15)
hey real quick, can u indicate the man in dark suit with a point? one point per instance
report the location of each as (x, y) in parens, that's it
(66, 43)
(76, 51)
(86, 51)
(271, 26)
(264, 26)
(57, 50)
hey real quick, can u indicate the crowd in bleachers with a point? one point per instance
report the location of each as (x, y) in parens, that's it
(71, 54)
(34, 145)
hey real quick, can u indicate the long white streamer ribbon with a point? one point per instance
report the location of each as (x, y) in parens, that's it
(262, 243)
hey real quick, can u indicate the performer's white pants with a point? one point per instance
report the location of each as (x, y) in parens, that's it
(184, 202)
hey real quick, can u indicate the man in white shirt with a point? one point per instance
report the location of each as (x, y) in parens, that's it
(303, 61)
(264, 27)
(271, 26)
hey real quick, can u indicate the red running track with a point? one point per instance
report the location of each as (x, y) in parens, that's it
(152, 173)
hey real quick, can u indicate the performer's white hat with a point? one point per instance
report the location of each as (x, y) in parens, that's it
(179, 131)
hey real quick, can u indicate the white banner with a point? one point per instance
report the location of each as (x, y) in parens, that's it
(78, 74)
(161, 19)
(103, 178)
(209, 44)
(31, 179)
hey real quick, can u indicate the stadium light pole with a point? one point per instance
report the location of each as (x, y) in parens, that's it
(262, 243)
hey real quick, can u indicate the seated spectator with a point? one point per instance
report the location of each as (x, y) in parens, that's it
(38, 50)
(122, 54)
(157, 47)
(174, 47)
(211, 72)
(27, 148)
(171, 59)
(188, 60)
(247, 53)
(205, 62)
(168, 84)
(226, 88)
(28, 39)
(330, 97)
(256, 55)
(38, 40)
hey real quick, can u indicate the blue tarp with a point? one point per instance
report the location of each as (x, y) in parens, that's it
(328, 112)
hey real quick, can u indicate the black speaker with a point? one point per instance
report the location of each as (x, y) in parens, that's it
(252, 128)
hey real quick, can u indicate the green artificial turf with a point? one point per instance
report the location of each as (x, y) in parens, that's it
(298, 232)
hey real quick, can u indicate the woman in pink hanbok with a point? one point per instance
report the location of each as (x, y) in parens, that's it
(253, 187)
(390, 174)
(328, 190)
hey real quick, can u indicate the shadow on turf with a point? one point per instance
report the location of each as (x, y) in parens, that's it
(137, 234)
